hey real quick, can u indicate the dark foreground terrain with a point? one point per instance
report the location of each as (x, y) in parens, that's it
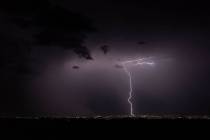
(142, 123)
(105, 118)
(98, 120)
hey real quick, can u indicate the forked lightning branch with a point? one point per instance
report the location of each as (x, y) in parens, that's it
(126, 65)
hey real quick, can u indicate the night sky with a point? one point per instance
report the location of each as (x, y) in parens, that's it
(62, 57)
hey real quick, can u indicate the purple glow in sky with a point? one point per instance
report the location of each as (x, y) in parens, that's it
(47, 46)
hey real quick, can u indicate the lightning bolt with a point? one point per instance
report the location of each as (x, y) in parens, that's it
(125, 64)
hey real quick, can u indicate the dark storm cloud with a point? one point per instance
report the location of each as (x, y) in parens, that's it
(133, 29)
(44, 23)
(177, 29)
(28, 30)
(105, 49)
(139, 13)
(142, 43)
(75, 67)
